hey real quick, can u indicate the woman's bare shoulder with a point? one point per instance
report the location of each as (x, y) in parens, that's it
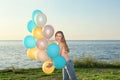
(62, 44)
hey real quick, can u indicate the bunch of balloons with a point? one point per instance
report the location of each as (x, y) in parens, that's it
(38, 44)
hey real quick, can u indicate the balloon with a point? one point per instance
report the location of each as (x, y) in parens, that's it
(59, 62)
(53, 50)
(35, 12)
(37, 32)
(31, 25)
(42, 43)
(48, 31)
(29, 42)
(47, 70)
(40, 19)
(31, 53)
(42, 56)
(50, 42)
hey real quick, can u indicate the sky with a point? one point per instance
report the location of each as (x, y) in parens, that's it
(78, 19)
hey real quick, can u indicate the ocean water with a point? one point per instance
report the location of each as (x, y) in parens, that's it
(13, 52)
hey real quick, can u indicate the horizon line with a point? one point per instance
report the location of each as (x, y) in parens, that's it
(72, 39)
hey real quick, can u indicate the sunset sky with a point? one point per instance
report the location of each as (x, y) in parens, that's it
(78, 19)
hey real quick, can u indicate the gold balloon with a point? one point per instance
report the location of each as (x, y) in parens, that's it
(48, 31)
(37, 32)
(42, 43)
(48, 70)
(42, 56)
(31, 53)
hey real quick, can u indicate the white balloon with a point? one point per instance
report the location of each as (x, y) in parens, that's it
(40, 19)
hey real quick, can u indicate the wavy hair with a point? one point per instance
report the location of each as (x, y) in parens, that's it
(63, 40)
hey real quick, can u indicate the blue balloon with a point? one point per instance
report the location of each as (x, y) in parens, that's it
(59, 62)
(34, 13)
(53, 50)
(31, 25)
(29, 41)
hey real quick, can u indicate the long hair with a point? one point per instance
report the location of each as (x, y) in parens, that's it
(63, 40)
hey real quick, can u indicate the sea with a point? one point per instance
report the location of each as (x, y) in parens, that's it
(14, 54)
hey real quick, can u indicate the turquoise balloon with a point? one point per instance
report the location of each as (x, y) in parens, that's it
(53, 50)
(31, 25)
(29, 41)
(59, 62)
(35, 12)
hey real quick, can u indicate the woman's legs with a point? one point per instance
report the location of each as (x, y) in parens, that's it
(69, 71)
(65, 74)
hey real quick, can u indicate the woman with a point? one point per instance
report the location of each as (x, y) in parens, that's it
(68, 71)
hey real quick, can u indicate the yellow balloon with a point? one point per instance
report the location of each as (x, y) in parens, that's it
(49, 42)
(37, 32)
(31, 53)
(48, 70)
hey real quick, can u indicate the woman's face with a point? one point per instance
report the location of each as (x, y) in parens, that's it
(58, 37)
